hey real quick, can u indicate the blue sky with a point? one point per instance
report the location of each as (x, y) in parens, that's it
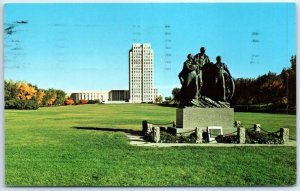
(85, 46)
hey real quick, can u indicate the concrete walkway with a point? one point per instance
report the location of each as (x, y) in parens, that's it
(137, 140)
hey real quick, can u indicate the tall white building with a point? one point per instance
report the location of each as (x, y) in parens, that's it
(141, 58)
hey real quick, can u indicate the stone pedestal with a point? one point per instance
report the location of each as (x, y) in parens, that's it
(187, 119)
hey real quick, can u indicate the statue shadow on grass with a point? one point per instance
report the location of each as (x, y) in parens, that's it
(130, 131)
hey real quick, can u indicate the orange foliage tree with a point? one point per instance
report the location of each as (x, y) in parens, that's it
(69, 101)
(40, 96)
(26, 91)
(271, 88)
(23, 95)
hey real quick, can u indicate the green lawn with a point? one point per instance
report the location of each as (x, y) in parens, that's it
(64, 146)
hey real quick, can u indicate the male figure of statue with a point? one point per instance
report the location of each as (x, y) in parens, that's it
(188, 80)
(201, 59)
(221, 70)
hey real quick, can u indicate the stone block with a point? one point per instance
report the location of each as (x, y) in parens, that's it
(156, 134)
(190, 118)
(149, 129)
(284, 134)
(199, 137)
(241, 135)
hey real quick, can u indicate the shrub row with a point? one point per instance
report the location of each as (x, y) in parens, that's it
(21, 104)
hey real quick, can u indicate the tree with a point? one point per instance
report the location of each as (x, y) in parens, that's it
(26, 104)
(40, 96)
(291, 84)
(268, 88)
(60, 97)
(23, 95)
(50, 97)
(11, 90)
(271, 88)
(69, 101)
(158, 99)
(168, 98)
(175, 92)
(20, 95)
(245, 91)
(25, 91)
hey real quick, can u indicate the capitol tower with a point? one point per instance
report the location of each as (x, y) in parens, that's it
(141, 58)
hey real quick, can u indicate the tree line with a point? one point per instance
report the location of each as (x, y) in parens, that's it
(23, 95)
(271, 88)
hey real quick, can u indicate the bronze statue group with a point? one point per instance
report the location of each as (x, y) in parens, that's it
(204, 83)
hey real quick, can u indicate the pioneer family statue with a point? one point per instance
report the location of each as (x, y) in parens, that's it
(205, 84)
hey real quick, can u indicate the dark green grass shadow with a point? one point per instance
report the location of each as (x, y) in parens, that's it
(109, 129)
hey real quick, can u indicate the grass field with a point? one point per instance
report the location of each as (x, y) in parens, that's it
(73, 146)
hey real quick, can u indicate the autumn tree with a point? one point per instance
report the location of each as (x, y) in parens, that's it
(40, 96)
(25, 91)
(26, 98)
(279, 90)
(69, 101)
(271, 88)
(289, 77)
(23, 95)
(20, 95)
(292, 83)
